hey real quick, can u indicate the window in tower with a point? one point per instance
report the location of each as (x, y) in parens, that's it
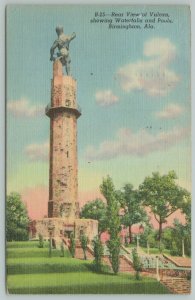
(67, 153)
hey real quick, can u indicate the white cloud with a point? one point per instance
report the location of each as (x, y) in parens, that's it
(105, 98)
(137, 144)
(23, 108)
(171, 111)
(37, 152)
(151, 74)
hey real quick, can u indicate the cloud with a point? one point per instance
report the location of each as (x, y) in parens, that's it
(171, 111)
(136, 144)
(23, 108)
(151, 74)
(36, 152)
(106, 98)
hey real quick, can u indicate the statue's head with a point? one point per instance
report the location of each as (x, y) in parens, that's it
(59, 29)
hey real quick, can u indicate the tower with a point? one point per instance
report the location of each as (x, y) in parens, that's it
(63, 111)
(63, 174)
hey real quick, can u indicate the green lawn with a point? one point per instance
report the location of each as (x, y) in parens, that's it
(27, 244)
(89, 283)
(152, 250)
(155, 251)
(32, 252)
(31, 271)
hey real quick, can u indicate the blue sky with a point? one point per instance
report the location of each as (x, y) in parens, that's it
(119, 101)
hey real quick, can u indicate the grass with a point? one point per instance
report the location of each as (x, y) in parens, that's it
(26, 244)
(46, 265)
(155, 251)
(151, 250)
(31, 271)
(32, 252)
(89, 283)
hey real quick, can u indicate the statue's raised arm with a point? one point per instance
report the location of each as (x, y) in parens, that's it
(62, 43)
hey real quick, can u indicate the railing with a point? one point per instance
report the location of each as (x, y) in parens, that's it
(49, 106)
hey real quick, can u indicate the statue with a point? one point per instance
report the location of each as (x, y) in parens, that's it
(62, 43)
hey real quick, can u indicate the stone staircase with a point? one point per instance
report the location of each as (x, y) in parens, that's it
(177, 285)
(80, 255)
(125, 264)
(179, 261)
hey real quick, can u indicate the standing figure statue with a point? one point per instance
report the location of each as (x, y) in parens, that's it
(62, 43)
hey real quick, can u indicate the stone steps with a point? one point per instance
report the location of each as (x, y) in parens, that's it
(177, 285)
(80, 255)
(125, 265)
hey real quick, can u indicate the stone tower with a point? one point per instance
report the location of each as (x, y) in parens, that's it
(63, 205)
(63, 175)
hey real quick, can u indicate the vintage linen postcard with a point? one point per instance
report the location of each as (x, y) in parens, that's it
(98, 162)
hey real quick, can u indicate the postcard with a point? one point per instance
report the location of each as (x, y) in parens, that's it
(98, 149)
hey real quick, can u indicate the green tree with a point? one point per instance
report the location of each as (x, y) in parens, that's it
(72, 244)
(98, 252)
(17, 219)
(136, 263)
(62, 249)
(180, 233)
(41, 241)
(113, 221)
(134, 212)
(147, 238)
(95, 210)
(84, 242)
(163, 196)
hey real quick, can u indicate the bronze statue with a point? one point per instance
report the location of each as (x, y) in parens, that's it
(62, 43)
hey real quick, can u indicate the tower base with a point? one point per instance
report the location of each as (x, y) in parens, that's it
(59, 228)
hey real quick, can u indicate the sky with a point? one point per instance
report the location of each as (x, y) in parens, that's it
(133, 88)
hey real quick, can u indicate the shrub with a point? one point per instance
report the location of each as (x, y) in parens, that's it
(114, 249)
(72, 245)
(50, 247)
(136, 263)
(41, 241)
(98, 252)
(84, 242)
(62, 249)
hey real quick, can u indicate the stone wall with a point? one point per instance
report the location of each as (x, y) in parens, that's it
(60, 227)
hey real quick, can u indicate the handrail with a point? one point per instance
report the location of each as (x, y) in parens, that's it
(49, 106)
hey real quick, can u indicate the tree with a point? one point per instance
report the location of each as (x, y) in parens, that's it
(72, 245)
(41, 241)
(113, 221)
(147, 238)
(136, 263)
(163, 196)
(17, 220)
(134, 212)
(181, 234)
(98, 252)
(62, 249)
(84, 242)
(95, 210)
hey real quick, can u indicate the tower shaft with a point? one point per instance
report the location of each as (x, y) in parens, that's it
(63, 174)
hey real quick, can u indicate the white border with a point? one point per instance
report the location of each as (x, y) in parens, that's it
(3, 4)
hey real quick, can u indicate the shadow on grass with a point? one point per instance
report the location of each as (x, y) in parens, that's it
(105, 269)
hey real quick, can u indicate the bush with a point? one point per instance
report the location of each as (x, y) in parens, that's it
(161, 247)
(114, 249)
(41, 241)
(50, 248)
(98, 252)
(136, 263)
(72, 245)
(84, 242)
(62, 249)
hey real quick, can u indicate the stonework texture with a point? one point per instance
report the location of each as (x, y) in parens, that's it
(63, 205)
(63, 183)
